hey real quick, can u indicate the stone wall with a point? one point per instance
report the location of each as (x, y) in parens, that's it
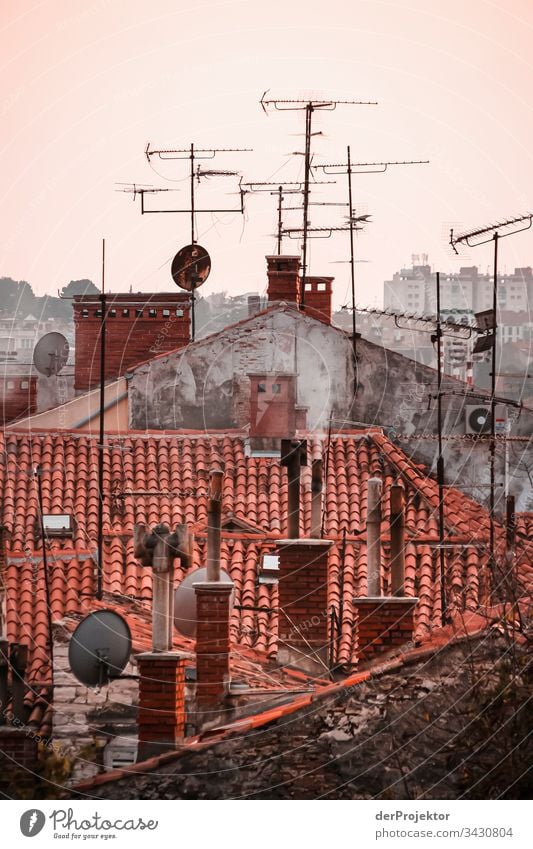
(86, 719)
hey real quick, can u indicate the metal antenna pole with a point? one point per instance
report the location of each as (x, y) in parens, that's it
(38, 475)
(100, 564)
(493, 405)
(309, 106)
(192, 194)
(352, 266)
(440, 460)
(193, 155)
(474, 238)
(307, 171)
(280, 222)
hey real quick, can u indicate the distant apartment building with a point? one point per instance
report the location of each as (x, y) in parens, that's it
(414, 290)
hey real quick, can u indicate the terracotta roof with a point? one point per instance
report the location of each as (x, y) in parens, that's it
(163, 478)
(462, 628)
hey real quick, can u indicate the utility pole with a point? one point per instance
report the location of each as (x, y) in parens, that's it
(309, 107)
(440, 459)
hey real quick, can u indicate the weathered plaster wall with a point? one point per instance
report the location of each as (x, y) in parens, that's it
(205, 386)
(194, 388)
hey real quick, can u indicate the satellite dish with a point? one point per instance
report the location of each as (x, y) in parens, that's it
(99, 648)
(190, 267)
(50, 354)
(185, 600)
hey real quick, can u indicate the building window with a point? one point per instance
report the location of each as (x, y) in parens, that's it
(125, 312)
(85, 313)
(166, 313)
(276, 388)
(152, 313)
(98, 313)
(24, 384)
(179, 313)
(261, 387)
(112, 313)
(139, 313)
(57, 524)
(10, 384)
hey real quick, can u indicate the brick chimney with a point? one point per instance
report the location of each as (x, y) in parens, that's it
(303, 604)
(161, 702)
(212, 618)
(138, 327)
(317, 300)
(384, 623)
(283, 274)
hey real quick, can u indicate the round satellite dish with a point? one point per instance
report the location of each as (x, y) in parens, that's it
(185, 600)
(99, 648)
(190, 267)
(50, 354)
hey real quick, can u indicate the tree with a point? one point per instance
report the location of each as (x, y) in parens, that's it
(79, 287)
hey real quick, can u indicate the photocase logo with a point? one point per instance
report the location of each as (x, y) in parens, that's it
(32, 822)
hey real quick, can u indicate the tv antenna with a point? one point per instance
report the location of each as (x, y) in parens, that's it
(285, 188)
(195, 155)
(197, 173)
(348, 168)
(309, 107)
(473, 239)
(99, 648)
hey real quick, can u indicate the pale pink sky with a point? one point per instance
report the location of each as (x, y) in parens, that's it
(85, 85)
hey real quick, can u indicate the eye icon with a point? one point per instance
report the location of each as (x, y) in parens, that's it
(32, 822)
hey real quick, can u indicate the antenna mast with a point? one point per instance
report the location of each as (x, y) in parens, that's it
(194, 155)
(350, 168)
(474, 238)
(309, 107)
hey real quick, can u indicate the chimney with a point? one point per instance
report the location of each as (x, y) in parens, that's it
(397, 539)
(283, 274)
(317, 300)
(384, 623)
(212, 619)
(214, 518)
(303, 620)
(161, 702)
(373, 536)
(293, 456)
(138, 327)
(254, 305)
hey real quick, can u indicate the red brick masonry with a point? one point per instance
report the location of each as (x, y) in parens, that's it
(212, 642)
(383, 624)
(303, 594)
(161, 701)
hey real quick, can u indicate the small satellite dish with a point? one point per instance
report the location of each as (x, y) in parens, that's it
(99, 648)
(190, 267)
(185, 600)
(50, 354)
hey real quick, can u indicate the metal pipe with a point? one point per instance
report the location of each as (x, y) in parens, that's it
(316, 498)
(4, 666)
(397, 539)
(19, 661)
(440, 462)
(510, 523)
(100, 564)
(352, 268)
(373, 536)
(214, 516)
(293, 481)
